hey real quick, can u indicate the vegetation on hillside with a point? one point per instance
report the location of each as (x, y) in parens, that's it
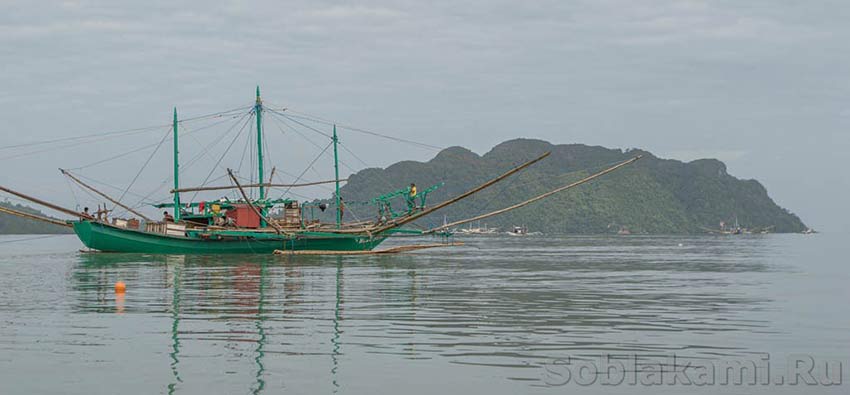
(651, 196)
(11, 224)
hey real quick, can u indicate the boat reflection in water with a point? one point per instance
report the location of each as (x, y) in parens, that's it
(326, 323)
(243, 301)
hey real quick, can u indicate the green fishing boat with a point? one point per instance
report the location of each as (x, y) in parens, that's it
(246, 224)
(105, 237)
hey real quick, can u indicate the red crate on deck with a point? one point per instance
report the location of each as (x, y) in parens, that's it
(243, 216)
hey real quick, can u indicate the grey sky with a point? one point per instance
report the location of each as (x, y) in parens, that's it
(762, 85)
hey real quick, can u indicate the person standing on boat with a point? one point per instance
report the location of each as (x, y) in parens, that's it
(382, 213)
(166, 217)
(411, 196)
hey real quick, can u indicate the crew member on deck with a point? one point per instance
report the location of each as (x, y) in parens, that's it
(86, 212)
(166, 217)
(411, 196)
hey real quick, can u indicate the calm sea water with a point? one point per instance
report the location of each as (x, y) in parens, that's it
(501, 315)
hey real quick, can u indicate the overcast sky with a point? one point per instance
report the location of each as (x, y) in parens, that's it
(763, 85)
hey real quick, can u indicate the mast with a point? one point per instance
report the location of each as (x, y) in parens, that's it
(336, 178)
(176, 171)
(258, 109)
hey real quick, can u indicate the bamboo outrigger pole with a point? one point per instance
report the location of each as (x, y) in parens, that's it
(34, 217)
(267, 185)
(46, 204)
(536, 198)
(105, 196)
(466, 194)
(251, 205)
(391, 250)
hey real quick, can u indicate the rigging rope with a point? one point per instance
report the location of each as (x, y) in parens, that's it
(206, 179)
(302, 124)
(282, 181)
(244, 151)
(111, 158)
(206, 149)
(281, 121)
(119, 189)
(73, 194)
(63, 139)
(359, 130)
(309, 166)
(95, 137)
(216, 114)
(142, 169)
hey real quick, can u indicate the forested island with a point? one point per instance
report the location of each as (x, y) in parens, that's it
(652, 196)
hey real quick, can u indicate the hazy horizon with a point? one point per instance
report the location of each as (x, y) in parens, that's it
(761, 86)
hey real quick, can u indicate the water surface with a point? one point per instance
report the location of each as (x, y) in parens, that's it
(487, 317)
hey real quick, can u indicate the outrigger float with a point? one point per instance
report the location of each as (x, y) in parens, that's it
(244, 226)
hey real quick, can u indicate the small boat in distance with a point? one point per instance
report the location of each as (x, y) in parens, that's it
(518, 231)
(737, 229)
(478, 230)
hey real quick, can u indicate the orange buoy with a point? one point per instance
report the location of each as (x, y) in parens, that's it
(120, 288)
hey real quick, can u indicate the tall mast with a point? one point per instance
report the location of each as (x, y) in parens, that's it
(336, 178)
(258, 109)
(176, 171)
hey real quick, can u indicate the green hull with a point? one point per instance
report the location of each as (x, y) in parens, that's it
(109, 238)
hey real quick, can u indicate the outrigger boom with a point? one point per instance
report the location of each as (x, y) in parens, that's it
(536, 198)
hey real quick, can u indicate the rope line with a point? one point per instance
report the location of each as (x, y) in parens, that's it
(139, 173)
(302, 124)
(359, 130)
(207, 178)
(309, 166)
(112, 134)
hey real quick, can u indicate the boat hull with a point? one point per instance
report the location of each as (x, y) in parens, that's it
(108, 238)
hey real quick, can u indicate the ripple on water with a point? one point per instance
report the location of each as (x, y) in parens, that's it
(501, 303)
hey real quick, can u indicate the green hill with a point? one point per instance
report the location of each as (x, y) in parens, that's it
(10, 224)
(651, 196)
